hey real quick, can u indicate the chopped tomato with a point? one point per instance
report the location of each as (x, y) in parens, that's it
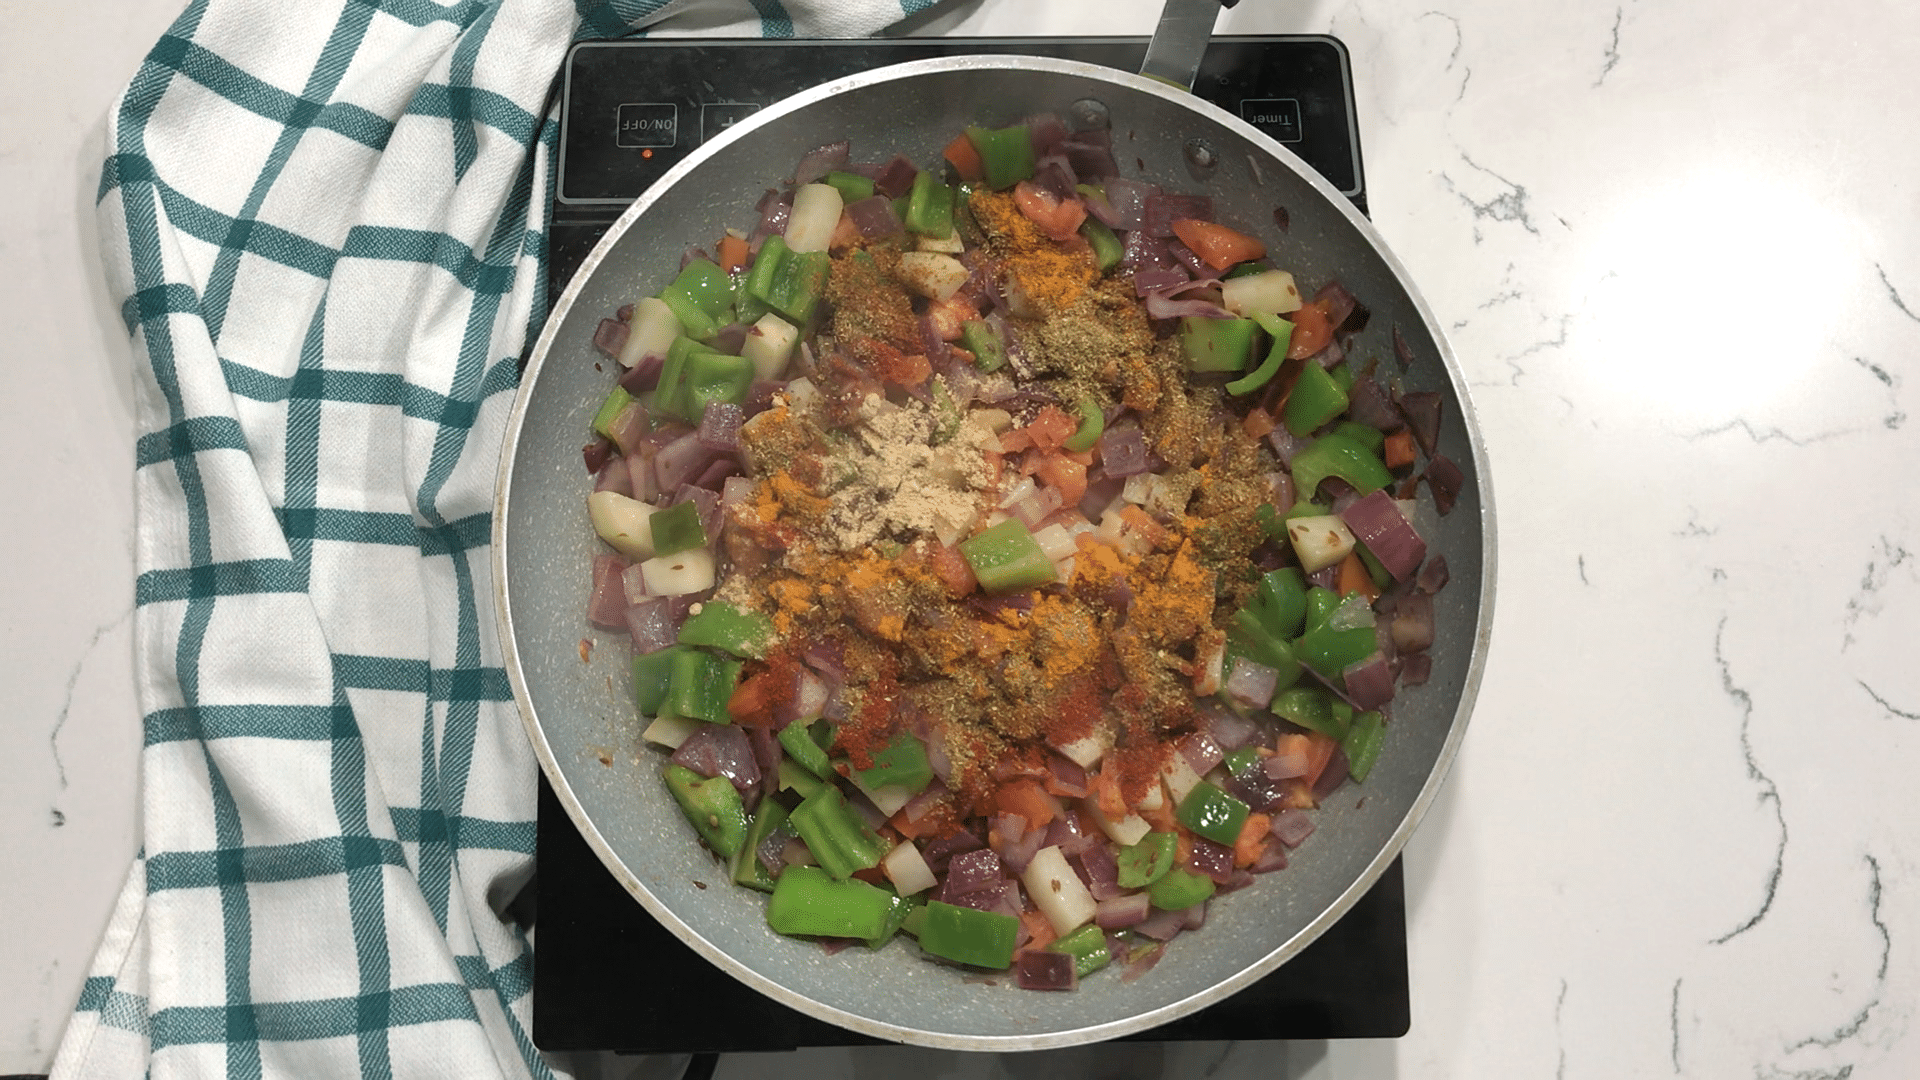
(1320, 750)
(1257, 424)
(733, 253)
(1354, 578)
(1218, 246)
(1252, 841)
(953, 570)
(754, 700)
(1062, 472)
(964, 158)
(1040, 931)
(1059, 218)
(1016, 440)
(948, 316)
(1029, 799)
(1106, 792)
(1051, 427)
(1398, 452)
(845, 234)
(1312, 329)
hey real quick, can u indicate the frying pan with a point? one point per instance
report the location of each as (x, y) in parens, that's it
(579, 713)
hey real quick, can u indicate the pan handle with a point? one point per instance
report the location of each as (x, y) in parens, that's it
(1173, 56)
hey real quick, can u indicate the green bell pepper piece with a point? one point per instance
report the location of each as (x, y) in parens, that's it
(677, 529)
(617, 401)
(1330, 652)
(1093, 423)
(1006, 154)
(1251, 637)
(1362, 744)
(809, 902)
(1311, 708)
(1006, 557)
(1316, 399)
(1271, 523)
(1338, 455)
(798, 780)
(1247, 269)
(966, 936)
(705, 285)
(1366, 435)
(700, 685)
(901, 763)
(1321, 602)
(800, 745)
(747, 867)
(1216, 344)
(703, 378)
(713, 806)
(1143, 863)
(719, 624)
(1107, 249)
(1281, 333)
(1179, 890)
(1281, 601)
(765, 270)
(1343, 377)
(989, 352)
(1087, 946)
(653, 677)
(902, 909)
(1241, 760)
(1376, 572)
(852, 186)
(1305, 509)
(929, 207)
(798, 283)
(841, 843)
(1212, 813)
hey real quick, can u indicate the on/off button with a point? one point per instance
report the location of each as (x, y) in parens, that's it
(1277, 118)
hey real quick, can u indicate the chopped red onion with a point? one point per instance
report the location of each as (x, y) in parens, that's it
(767, 754)
(1292, 826)
(924, 803)
(1201, 752)
(944, 848)
(1253, 787)
(1146, 282)
(1273, 857)
(610, 337)
(1281, 484)
(1285, 444)
(1142, 252)
(1342, 493)
(1376, 521)
(635, 580)
(1369, 682)
(1162, 925)
(1159, 307)
(1123, 911)
(1197, 914)
(1098, 206)
(651, 624)
(1044, 132)
(1017, 842)
(595, 454)
(1129, 199)
(1422, 410)
(1412, 624)
(1068, 776)
(1286, 765)
(1066, 834)
(796, 853)
(1239, 879)
(772, 849)
(1326, 577)
(1434, 575)
(864, 807)
(607, 607)
(1402, 351)
(1444, 479)
(1054, 175)
(720, 426)
(613, 476)
(775, 207)
(681, 461)
(1161, 211)
(693, 253)
(874, 216)
(736, 490)
(1102, 489)
(707, 502)
(1099, 869)
(1185, 256)
(1039, 969)
(1142, 961)
(721, 750)
(628, 426)
(1091, 156)
(1416, 668)
(1369, 404)
(931, 343)
(1123, 451)
(1332, 776)
(1206, 857)
(643, 376)
(970, 871)
(730, 339)
(820, 161)
(1339, 303)
(896, 177)
(640, 477)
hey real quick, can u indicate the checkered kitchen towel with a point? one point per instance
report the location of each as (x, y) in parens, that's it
(325, 223)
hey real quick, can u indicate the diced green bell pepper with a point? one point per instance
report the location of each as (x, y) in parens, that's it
(652, 677)
(1334, 454)
(700, 684)
(901, 910)
(1179, 890)
(758, 282)
(788, 282)
(1006, 154)
(1239, 761)
(1107, 249)
(1316, 399)
(695, 376)
(807, 901)
(1305, 509)
(1376, 572)
(699, 297)
(617, 401)
(1212, 813)
(798, 780)
(806, 751)
(841, 843)
(967, 936)
(1280, 331)
(1247, 269)
(1093, 423)
(1362, 744)
(719, 624)
(901, 763)
(1006, 557)
(1343, 377)
(677, 529)
(1216, 344)
(1087, 946)
(1311, 708)
(1330, 652)
(979, 338)
(1321, 602)
(1271, 523)
(1366, 435)
(1143, 863)
(1250, 636)
(714, 807)
(852, 186)
(748, 870)
(929, 207)
(1281, 601)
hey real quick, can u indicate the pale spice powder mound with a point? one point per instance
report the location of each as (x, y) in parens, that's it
(898, 478)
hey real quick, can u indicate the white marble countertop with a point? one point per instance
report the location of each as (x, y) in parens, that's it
(1676, 246)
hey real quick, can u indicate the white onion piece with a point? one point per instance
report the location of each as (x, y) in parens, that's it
(1179, 775)
(931, 274)
(653, 329)
(1056, 542)
(887, 798)
(801, 394)
(1155, 798)
(671, 731)
(816, 213)
(1138, 488)
(907, 869)
(1319, 541)
(634, 584)
(624, 523)
(809, 697)
(1086, 751)
(1127, 830)
(769, 345)
(680, 574)
(1271, 292)
(1057, 891)
(1210, 656)
(1024, 489)
(952, 245)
